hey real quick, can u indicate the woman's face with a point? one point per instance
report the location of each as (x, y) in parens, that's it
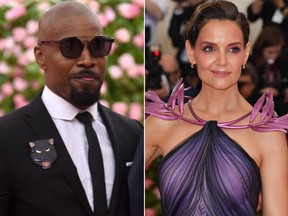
(219, 54)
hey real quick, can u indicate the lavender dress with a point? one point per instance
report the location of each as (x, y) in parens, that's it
(209, 173)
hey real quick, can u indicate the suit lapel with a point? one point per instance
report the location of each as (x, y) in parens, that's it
(45, 128)
(112, 129)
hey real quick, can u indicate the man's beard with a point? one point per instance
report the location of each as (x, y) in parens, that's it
(85, 97)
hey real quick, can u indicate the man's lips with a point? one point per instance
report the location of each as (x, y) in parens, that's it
(86, 77)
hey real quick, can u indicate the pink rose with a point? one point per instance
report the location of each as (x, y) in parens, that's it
(4, 68)
(103, 19)
(148, 183)
(26, 58)
(16, 50)
(22, 59)
(19, 34)
(150, 212)
(141, 70)
(30, 55)
(129, 10)
(110, 14)
(20, 84)
(29, 42)
(132, 71)
(122, 35)
(35, 85)
(42, 6)
(17, 71)
(120, 107)
(32, 26)
(115, 72)
(7, 43)
(15, 12)
(7, 89)
(2, 44)
(94, 5)
(156, 192)
(139, 2)
(19, 101)
(135, 111)
(138, 40)
(126, 61)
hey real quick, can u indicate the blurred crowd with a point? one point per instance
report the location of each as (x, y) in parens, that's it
(267, 67)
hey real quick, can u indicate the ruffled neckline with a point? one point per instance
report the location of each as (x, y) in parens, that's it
(269, 120)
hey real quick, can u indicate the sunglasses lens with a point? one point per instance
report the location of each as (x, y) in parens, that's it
(100, 46)
(71, 47)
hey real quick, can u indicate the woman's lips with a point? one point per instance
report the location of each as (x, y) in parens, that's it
(221, 74)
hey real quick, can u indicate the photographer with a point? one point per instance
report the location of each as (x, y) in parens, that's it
(271, 12)
(182, 13)
(155, 78)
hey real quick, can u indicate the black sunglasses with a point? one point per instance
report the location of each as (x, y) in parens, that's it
(72, 47)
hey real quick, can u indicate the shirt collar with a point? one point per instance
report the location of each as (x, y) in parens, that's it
(59, 108)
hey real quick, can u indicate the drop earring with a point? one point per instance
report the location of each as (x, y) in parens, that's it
(243, 66)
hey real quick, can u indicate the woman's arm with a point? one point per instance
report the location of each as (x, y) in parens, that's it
(152, 150)
(274, 174)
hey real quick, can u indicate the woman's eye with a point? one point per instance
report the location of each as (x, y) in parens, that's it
(208, 49)
(234, 49)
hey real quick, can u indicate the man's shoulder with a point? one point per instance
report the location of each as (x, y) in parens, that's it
(19, 114)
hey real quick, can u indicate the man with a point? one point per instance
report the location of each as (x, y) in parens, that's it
(46, 155)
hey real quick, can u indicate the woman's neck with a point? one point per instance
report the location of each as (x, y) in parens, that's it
(216, 102)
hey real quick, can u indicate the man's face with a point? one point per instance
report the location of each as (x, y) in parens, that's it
(77, 80)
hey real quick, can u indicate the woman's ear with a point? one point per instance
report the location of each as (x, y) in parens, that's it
(247, 53)
(190, 52)
(40, 58)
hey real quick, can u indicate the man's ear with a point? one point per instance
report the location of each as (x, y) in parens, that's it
(40, 58)
(190, 52)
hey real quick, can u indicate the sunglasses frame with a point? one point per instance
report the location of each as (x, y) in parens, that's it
(103, 37)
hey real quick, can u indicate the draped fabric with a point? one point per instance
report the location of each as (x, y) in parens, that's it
(209, 174)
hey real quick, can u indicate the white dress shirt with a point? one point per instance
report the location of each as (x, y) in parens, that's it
(73, 135)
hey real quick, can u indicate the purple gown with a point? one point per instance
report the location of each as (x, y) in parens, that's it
(209, 173)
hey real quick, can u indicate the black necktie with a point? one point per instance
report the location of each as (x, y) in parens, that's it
(95, 164)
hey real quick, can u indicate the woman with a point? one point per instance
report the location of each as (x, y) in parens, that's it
(218, 150)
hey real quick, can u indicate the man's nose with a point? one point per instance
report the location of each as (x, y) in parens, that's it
(86, 59)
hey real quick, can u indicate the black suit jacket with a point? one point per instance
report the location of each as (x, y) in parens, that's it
(136, 181)
(28, 190)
